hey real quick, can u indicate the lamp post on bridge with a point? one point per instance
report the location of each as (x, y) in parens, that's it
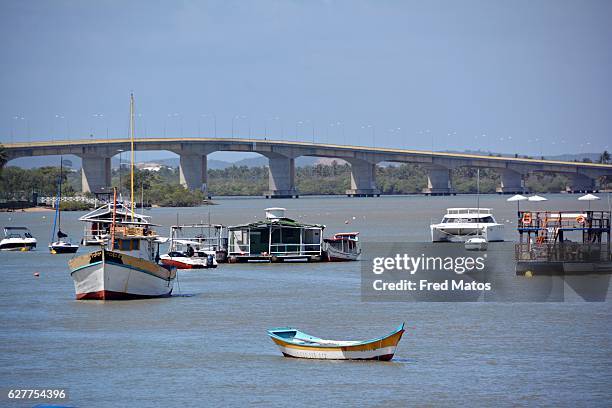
(370, 126)
(174, 115)
(336, 124)
(299, 123)
(208, 115)
(240, 117)
(266, 126)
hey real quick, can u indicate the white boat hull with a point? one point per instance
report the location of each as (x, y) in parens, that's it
(337, 353)
(461, 233)
(107, 280)
(17, 244)
(184, 262)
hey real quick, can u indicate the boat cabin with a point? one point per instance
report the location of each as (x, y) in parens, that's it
(202, 237)
(275, 239)
(98, 222)
(468, 216)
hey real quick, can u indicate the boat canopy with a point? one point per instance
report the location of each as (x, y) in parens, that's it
(468, 211)
(282, 222)
(104, 215)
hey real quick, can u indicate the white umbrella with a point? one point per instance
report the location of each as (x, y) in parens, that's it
(537, 198)
(589, 198)
(518, 198)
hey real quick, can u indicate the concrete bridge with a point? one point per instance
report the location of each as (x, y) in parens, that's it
(96, 168)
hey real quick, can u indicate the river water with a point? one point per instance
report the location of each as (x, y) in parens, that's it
(208, 346)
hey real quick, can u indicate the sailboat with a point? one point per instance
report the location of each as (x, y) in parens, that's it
(127, 265)
(478, 242)
(62, 245)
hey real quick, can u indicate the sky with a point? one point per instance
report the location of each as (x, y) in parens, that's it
(527, 77)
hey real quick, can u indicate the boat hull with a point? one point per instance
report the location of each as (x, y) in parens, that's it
(492, 233)
(187, 263)
(63, 249)
(110, 275)
(17, 245)
(382, 349)
(332, 254)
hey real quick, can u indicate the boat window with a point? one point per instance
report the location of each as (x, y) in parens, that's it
(126, 244)
(488, 220)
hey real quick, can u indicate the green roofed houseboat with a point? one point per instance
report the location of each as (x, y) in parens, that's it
(275, 239)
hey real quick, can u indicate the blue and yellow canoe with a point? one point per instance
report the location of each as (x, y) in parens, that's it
(294, 343)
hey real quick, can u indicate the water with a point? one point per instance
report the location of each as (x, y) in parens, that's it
(209, 346)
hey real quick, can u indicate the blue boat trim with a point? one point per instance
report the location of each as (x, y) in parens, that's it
(272, 333)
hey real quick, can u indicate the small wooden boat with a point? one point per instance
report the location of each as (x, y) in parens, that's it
(343, 246)
(294, 343)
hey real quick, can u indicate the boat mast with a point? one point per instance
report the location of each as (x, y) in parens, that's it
(57, 203)
(478, 200)
(132, 155)
(59, 196)
(112, 240)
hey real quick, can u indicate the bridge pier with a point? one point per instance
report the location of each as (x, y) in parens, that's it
(95, 174)
(512, 182)
(579, 183)
(363, 179)
(439, 182)
(193, 172)
(281, 177)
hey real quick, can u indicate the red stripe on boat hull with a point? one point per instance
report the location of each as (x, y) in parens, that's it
(180, 265)
(111, 295)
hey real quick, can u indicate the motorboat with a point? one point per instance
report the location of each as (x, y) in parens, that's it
(17, 239)
(477, 243)
(461, 224)
(186, 254)
(343, 246)
(294, 343)
(196, 246)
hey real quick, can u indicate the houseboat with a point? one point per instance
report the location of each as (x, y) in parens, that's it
(341, 247)
(563, 243)
(275, 239)
(461, 224)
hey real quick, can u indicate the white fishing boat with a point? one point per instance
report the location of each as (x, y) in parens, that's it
(17, 239)
(461, 224)
(128, 268)
(343, 246)
(127, 271)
